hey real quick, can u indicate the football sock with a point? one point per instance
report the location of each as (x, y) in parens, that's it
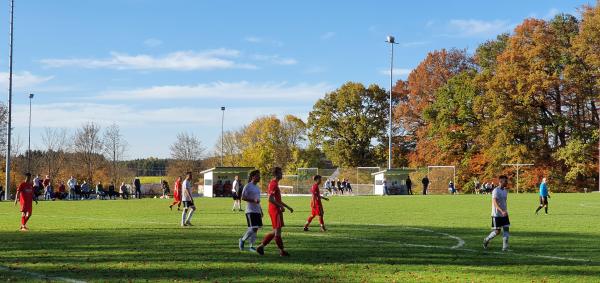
(248, 234)
(505, 236)
(252, 239)
(23, 221)
(310, 218)
(279, 242)
(490, 236)
(183, 214)
(321, 221)
(27, 218)
(546, 208)
(538, 209)
(190, 214)
(268, 238)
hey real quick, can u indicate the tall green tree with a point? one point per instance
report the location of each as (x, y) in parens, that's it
(349, 123)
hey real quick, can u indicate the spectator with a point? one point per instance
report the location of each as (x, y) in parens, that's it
(123, 191)
(386, 188)
(48, 190)
(348, 187)
(72, 192)
(137, 185)
(100, 193)
(477, 187)
(37, 187)
(85, 190)
(1, 192)
(425, 182)
(62, 192)
(408, 185)
(328, 186)
(165, 189)
(339, 186)
(111, 191)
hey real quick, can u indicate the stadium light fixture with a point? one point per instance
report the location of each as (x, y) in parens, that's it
(391, 40)
(518, 165)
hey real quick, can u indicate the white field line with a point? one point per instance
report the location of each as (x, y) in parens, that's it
(38, 275)
(588, 205)
(458, 246)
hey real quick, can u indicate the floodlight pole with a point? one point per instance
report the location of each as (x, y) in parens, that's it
(9, 122)
(518, 165)
(222, 133)
(29, 136)
(391, 40)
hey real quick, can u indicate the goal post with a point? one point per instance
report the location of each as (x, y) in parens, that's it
(435, 180)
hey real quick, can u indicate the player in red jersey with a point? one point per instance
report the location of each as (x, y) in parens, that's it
(176, 194)
(276, 209)
(25, 198)
(315, 204)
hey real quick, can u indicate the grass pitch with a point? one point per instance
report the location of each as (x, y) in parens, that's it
(371, 239)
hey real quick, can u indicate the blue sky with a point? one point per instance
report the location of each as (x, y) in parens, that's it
(157, 68)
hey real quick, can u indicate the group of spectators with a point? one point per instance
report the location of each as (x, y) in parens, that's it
(73, 189)
(394, 188)
(338, 186)
(485, 188)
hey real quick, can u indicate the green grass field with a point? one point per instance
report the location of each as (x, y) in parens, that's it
(371, 239)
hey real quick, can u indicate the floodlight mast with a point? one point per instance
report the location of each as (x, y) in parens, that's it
(391, 40)
(10, 84)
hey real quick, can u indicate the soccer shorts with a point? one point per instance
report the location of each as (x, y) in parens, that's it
(254, 220)
(26, 206)
(315, 211)
(188, 203)
(276, 219)
(499, 222)
(543, 200)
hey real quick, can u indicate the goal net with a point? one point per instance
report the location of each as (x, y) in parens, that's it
(439, 178)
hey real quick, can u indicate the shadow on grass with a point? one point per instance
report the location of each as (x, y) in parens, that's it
(211, 254)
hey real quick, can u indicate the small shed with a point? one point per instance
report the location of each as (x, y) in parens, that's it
(218, 180)
(396, 179)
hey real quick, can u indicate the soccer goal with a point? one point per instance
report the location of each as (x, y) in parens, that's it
(288, 184)
(439, 178)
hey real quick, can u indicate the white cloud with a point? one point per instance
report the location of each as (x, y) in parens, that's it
(23, 80)
(152, 42)
(178, 61)
(397, 72)
(257, 40)
(275, 59)
(253, 39)
(73, 115)
(223, 90)
(472, 27)
(327, 35)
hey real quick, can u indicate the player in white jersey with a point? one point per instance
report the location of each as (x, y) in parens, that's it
(254, 214)
(500, 219)
(188, 200)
